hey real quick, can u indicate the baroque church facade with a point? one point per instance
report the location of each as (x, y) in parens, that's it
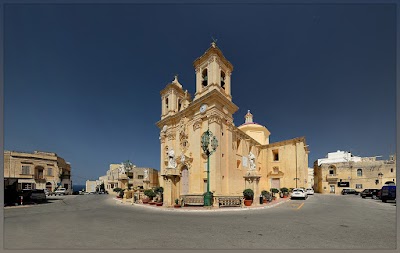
(244, 157)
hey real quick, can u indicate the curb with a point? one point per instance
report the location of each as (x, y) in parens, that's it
(209, 210)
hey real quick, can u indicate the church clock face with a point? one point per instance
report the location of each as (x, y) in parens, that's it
(203, 108)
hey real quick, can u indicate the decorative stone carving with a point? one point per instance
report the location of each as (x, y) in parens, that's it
(171, 136)
(197, 125)
(146, 174)
(214, 118)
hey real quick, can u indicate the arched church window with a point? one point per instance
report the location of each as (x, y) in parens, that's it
(204, 75)
(223, 80)
(359, 172)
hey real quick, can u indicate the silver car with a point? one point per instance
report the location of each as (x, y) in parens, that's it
(310, 191)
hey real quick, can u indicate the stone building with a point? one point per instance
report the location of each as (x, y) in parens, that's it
(137, 177)
(244, 157)
(310, 180)
(37, 170)
(341, 170)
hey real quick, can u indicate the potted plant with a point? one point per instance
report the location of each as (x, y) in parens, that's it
(248, 195)
(150, 194)
(159, 191)
(177, 203)
(274, 191)
(119, 191)
(285, 192)
(265, 195)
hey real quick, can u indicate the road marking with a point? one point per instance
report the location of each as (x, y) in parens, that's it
(300, 206)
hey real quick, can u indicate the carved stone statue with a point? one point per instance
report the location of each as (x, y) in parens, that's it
(146, 174)
(252, 160)
(182, 158)
(171, 159)
(121, 168)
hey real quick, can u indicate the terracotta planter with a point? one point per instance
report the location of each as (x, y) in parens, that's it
(248, 202)
(177, 206)
(265, 201)
(159, 204)
(145, 201)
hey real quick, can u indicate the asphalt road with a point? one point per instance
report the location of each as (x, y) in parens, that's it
(99, 222)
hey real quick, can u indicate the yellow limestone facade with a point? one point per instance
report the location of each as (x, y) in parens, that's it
(244, 157)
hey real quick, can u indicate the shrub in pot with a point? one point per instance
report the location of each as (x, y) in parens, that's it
(248, 195)
(285, 192)
(150, 194)
(177, 203)
(274, 191)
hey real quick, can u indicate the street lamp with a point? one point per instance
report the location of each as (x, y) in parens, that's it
(205, 142)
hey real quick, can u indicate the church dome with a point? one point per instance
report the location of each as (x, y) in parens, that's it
(258, 132)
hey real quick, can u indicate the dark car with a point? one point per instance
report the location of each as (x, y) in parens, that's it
(378, 194)
(369, 193)
(349, 191)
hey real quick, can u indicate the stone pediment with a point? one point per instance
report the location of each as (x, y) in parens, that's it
(279, 174)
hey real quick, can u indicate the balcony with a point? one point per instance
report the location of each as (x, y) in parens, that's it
(331, 177)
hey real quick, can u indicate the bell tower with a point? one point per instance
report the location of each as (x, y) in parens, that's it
(213, 72)
(173, 99)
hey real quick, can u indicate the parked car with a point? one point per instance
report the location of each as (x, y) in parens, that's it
(349, 191)
(47, 192)
(38, 195)
(310, 191)
(388, 191)
(368, 193)
(378, 194)
(60, 191)
(298, 193)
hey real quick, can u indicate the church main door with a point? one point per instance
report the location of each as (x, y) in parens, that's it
(275, 183)
(185, 181)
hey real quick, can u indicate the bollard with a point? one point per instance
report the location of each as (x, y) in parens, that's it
(261, 199)
(22, 200)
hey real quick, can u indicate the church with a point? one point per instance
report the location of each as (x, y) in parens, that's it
(243, 158)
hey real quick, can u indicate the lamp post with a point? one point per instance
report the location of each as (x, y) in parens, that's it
(205, 142)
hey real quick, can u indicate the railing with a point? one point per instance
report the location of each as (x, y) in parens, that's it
(193, 200)
(331, 177)
(229, 200)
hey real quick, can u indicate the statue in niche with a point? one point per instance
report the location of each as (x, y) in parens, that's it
(171, 159)
(252, 160)
(146, 174)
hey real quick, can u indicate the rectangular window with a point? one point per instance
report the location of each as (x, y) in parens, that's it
(25, 170)
(275, 154)
(49, 171)
(359, 186)
(140, 176)
(331, 172)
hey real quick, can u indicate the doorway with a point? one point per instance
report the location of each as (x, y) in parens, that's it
(332, 188)
(184, 181)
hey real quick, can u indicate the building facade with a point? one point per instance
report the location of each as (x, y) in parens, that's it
(37, 170)
(340, 170)
(310, 180)
(138, 177)
(244, 157)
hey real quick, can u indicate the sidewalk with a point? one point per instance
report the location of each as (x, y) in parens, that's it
(205, 209)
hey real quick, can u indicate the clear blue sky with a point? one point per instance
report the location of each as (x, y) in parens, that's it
(84, 80)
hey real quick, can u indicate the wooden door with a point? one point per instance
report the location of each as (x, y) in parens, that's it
(185, 181)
